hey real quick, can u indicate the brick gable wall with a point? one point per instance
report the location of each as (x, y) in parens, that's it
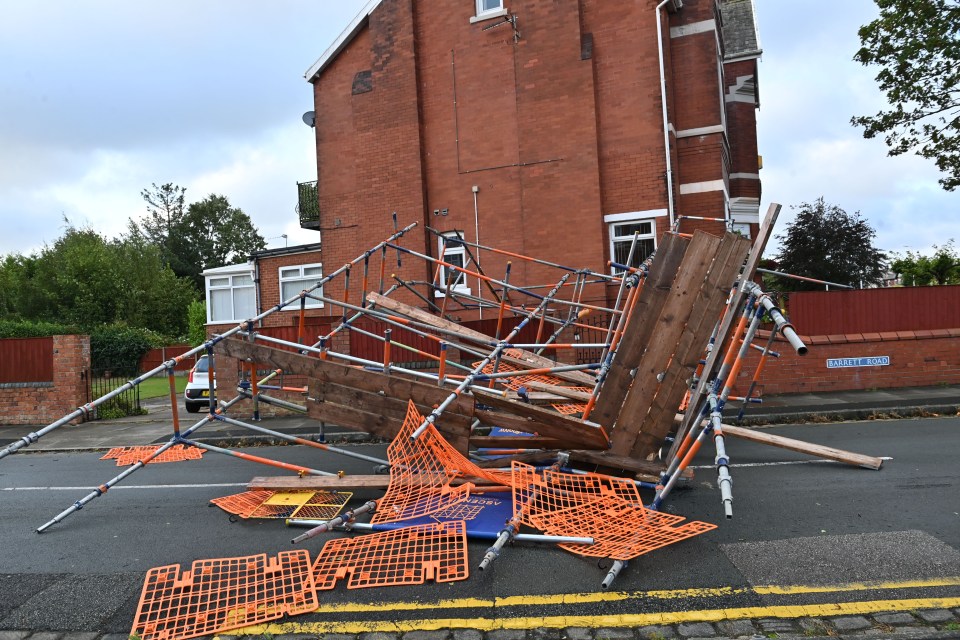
(555, 130)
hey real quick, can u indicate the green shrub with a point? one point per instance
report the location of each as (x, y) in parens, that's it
(119, 407)
(119, 348)
(197, 322)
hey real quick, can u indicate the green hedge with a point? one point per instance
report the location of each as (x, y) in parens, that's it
(116, 347)
(26, 329)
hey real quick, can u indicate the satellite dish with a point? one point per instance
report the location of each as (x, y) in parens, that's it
(309, 118)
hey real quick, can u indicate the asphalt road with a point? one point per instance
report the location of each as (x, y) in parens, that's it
(893, 533)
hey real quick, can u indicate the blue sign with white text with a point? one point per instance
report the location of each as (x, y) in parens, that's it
(871, 361)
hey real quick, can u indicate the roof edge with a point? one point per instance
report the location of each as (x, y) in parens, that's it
(342, 41)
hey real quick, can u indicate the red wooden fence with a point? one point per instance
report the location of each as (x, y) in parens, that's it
(370, 348)
(875, 310)
(289, 333)
(26, 360)
(155, 357)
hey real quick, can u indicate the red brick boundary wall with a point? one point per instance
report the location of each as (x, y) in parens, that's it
(46, 402)
(916, 359)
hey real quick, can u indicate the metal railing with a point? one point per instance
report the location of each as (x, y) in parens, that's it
(308, 205)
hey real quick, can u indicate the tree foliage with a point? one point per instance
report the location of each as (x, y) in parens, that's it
(942, 267)
(220, 234)
(827, 243)
(916, 44)
(197, 322)
(194, 237)
(161, 226)
(85, 280)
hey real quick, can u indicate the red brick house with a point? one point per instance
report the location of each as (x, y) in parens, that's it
(545, 128)
(235, 293)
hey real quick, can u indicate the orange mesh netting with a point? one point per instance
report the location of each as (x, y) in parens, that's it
(126, 456)
(571, 408)
(411, 555)
(421, 472)
(537, 493)
(322, 505)
(223, 593)
(605, 508)
(620, 531)
(515, 382)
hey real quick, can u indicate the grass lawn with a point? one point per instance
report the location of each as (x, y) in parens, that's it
(158, 386)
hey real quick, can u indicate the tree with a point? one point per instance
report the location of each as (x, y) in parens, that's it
(209, 233)
(219, 234)
(917, 47)
(915, 269)
(83, 279)
(827, 243)
(162, 224)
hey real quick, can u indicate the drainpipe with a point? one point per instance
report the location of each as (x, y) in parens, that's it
(476, 225)
(663, 105)
(256, 283)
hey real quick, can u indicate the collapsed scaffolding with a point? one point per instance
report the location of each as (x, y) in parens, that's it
(567, 441)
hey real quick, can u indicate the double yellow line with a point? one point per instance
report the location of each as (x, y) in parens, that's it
(495, 621)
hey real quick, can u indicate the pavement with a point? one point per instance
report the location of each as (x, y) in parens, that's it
(944, 622)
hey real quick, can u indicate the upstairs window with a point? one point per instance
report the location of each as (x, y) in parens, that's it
(621, 238)
(488, 6)
(452, 251)
(231, 298)
(295, 279)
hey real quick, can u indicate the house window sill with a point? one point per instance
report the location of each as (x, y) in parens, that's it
(499, 13)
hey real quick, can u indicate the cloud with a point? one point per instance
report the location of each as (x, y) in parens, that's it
(103, 98)
(810, 87)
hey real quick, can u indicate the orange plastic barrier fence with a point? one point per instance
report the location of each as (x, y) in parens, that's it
(224, 593)
(421, 471)
(570, 408)
(411, 555)
(551, 491)
(605, 508)
(620, 531)
(320, 505)
(126, 456)
(515, 382)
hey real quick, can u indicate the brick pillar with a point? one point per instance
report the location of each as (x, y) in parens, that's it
(71, 383)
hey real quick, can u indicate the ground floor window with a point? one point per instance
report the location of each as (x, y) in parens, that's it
(621, 238)
(295, 279)
(231, 298)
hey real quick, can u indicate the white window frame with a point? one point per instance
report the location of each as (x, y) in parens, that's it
(444, 250)
(743, 228)
(483, 13)
(305, 282)
(227, 282)
(618, 220)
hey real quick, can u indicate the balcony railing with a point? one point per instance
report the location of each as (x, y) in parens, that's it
(308, 205)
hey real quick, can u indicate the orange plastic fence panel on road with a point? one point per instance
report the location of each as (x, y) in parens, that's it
(126, 456)
(321, 505)
(223, 593)
(242, 504)
(619, 530)
(421, 472)
(553, 491)
(411, 555)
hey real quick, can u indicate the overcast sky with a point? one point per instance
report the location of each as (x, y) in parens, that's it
(99, 99)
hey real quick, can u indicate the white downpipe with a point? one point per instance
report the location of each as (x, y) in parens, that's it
(476, 230)
(663, 105)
